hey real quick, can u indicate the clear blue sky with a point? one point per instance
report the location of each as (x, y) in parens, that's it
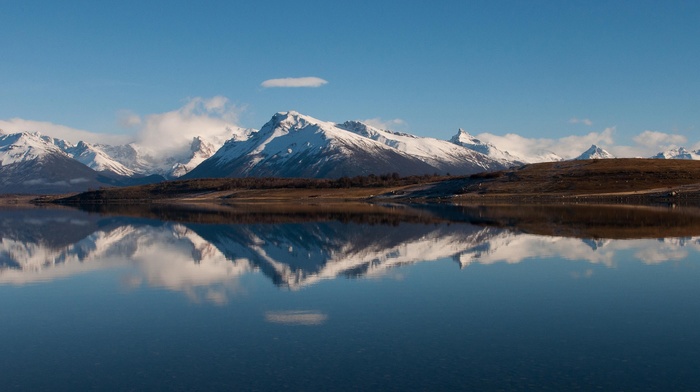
(527, 67)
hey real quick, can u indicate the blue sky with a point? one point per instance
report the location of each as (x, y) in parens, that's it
(621, 74)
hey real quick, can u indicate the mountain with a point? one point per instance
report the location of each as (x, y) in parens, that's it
(595, 152)
(444, 155)
(295, 145)
(94, 157)
(464, 139)
(200, 150)
(171, 164)
(32, 163)
(678, 153)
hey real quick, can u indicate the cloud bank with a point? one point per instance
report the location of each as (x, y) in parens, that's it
(309, 81)
(645, 144)
(163, 133)
(653, 139)
(566, 147)
(160, 134)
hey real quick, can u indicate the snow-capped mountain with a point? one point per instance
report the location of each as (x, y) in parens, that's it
(174, 163)
(464, 139)
(541, 156)
(295, 145)
(32, 163)
(678, 153)
(94, 157)
(200, 150)
(595, 152)
(448, 156)
(25, 146)
(289, 145)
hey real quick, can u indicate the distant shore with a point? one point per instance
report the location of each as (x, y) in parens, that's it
(610, 181)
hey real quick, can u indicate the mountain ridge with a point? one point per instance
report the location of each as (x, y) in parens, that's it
(295, 145)
(290, 145)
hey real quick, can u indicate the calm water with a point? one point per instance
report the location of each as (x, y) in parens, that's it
(110, 302)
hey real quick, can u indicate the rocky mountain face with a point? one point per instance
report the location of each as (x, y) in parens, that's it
(295, 145)
(32, 163)
(289, 145)
(464, 139)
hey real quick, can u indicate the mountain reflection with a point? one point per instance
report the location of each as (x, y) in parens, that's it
(204, 257)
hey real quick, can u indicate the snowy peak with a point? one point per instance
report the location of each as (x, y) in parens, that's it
(32, 163)
(433, 151)
(200, 150)
(94, 157)
(201, 147)
(25, 146)
(466, 140)
(595, 152)
(295, 145)
(291, 120)
(678, 153)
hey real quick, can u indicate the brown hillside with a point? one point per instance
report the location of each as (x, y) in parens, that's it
(626, 180)
(590, 179)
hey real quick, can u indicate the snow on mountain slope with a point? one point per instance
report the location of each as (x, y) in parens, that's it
(94, 157)
(464, 139)
(25, 146)
(295, 145)
(678, 153)
(443, 154)
(201, 150)
(143, 160)
(541, 156)
(595, 152)
(31, 163)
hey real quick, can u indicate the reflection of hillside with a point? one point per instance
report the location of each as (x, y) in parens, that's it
(251, 213)
(583, 221)
(205, 260)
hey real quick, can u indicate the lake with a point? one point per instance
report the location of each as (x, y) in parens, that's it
(350, 298)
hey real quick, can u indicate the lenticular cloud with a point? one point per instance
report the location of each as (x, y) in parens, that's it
(310, 81)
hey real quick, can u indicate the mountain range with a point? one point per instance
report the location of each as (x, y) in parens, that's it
(289, 145)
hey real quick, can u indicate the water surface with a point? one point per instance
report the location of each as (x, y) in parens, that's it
(440, 299)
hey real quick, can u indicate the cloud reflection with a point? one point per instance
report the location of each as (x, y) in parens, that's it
(206, 262)
(296, 317)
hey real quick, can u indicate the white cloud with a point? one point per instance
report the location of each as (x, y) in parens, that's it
(160, 133)
(661, 140)
(74, 135)
(172, 131)
(566, 147)
(309, 81)
(650, 143)
(646, 144)
(128, 119)
(384, 124)
(584, 121)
